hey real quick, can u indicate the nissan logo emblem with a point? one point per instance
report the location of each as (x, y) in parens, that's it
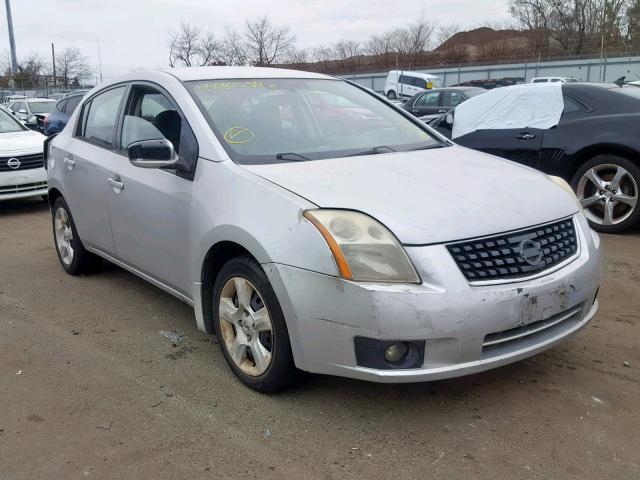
(531, 252)
(13, 163)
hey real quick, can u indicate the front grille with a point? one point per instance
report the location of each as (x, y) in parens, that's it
(517, 254)
(27, 162)
(25, 187)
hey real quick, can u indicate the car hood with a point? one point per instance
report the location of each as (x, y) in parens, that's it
(14, 143)
(429, 196)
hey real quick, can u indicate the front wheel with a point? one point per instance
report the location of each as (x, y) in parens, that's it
(251, 327)
(607, 187)
(391, 95)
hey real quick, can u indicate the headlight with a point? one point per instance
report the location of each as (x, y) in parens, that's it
(364, 249)
(566, 187)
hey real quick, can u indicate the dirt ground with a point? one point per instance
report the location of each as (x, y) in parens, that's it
(90, 388)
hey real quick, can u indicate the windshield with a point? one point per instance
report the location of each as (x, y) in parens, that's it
(42, 107)
(276, 120)
(9, 124)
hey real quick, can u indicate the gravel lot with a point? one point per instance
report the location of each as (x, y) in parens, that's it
(89, 387)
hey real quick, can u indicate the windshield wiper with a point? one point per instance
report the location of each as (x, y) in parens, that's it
(295, 157)
(374, 151)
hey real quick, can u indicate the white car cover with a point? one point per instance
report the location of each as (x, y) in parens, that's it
(537, 105)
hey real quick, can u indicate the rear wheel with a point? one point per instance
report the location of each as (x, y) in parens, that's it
(391, 95)
(607, 187)
(73, 257)
(251, 327)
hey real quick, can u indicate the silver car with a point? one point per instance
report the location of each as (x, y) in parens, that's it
(313, 226)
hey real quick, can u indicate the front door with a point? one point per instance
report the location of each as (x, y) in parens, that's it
(521, 145)
(150, 207)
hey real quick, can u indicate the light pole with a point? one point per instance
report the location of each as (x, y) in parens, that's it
(12, 40)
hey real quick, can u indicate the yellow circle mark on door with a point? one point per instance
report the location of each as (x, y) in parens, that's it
(238, 135)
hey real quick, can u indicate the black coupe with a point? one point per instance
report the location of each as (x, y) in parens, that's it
(595, 146)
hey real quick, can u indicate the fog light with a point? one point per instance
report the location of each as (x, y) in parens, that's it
(395, 353)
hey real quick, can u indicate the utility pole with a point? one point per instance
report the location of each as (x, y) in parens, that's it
(12, 40)
(99, 59)
(53, 63)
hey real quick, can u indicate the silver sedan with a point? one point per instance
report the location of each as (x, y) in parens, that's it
(315, 227)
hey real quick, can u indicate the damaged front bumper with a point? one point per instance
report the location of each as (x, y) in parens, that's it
(466, 329)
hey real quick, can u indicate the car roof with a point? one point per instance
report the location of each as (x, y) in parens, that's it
(41, 100)
(187, 74)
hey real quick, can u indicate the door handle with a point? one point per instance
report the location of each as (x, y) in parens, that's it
(415, 111)
(526, 136)
(70, 162)
(442, 111)
(117, 185)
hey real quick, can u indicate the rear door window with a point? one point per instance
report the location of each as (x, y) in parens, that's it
(101, 117)
(429, 99)
(452, 98)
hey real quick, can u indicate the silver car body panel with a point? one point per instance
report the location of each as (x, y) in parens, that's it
(161, 227)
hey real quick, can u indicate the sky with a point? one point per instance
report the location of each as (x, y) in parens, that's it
(132, 34)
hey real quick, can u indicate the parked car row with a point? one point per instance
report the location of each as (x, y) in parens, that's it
(44, 114)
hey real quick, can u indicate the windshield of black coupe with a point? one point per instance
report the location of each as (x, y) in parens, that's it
(275, 120)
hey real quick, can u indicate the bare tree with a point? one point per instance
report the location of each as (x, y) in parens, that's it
(265, 42)
(184, 45)
(411, 41)
(347, 53)
(381, 44)
(296, 56)
(445, 32)
(233, 48)
(72, 64)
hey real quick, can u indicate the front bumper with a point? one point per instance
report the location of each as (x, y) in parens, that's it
(325, 313)
(23, 183)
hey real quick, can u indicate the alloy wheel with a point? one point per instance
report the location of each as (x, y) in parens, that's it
(608, 193)
(64, 235)
(246, 327)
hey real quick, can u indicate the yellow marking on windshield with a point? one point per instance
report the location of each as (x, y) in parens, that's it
(236, 84)
(237, 135)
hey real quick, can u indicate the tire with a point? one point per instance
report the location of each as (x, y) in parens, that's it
(256, 346)
(391, 95)
(75, 260)
(608, 187)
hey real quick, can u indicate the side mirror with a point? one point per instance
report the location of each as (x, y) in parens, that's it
(152, 153)
(449, 118)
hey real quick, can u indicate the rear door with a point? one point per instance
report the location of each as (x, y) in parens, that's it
(426, 104)
(521, 145)
(87, 162)
(449, 100)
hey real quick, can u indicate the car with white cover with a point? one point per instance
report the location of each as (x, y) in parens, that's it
(319, 242)
(22, 173)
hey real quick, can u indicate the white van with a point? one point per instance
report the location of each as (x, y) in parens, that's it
(401, 83)
(553, 79)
